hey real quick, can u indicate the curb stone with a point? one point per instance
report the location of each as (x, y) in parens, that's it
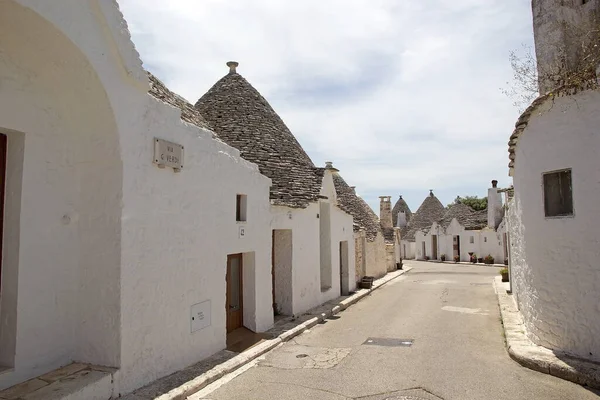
(521, 349)
(190, 387)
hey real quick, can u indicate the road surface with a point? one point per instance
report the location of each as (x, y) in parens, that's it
(450, 315)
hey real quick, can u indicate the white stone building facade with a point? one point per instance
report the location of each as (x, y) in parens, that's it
(553, 216)
(108, 259)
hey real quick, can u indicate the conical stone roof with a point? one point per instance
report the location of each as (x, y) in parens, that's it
(400, 206)
(431, 210)
(188, 113)
(466, 216)
(242, 118)
(364, 217)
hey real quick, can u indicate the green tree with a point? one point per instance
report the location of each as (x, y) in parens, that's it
(474, 202)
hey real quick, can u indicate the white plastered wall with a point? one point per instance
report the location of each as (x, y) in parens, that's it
(485, 241)
(61, 264)
(306, 273)
(407, 250)
(376, 257)
(554, 261)
(112, 250)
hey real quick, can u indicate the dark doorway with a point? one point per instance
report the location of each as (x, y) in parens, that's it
(456, 246)
(344, 272)
(234, 304)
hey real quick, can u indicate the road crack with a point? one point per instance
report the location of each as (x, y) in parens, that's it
(309, 387)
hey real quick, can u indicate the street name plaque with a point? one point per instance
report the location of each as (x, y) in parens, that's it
(168, 154)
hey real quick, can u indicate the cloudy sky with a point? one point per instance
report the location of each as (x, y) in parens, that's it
(402, 95)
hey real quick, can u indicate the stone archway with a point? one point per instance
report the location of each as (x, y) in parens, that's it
(61, 265)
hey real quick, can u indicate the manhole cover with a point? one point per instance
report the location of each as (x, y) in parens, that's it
(389, 342)
(302, 356)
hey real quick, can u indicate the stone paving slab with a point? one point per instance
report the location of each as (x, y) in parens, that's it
(182, 384)
(525, 352)
(74, 381)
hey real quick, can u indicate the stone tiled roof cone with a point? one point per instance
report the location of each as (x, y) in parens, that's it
(466, 216)
(243, 118)
(431, 210)
(364, 216)
(188, 113)
(400, 205)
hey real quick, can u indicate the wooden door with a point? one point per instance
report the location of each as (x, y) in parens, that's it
(455, 246)
(3, 146)
(434, 247)
(234, 305)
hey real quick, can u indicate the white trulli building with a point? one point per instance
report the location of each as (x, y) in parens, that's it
(401, 215)
(312, 237)
(554, 217)
(429, 211)
(463, 230)
(370, 243)
(107, 258)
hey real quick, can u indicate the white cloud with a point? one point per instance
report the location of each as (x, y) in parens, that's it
(402, 96)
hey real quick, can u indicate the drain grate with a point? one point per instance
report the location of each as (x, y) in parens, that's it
(388, 342)
(302, 356)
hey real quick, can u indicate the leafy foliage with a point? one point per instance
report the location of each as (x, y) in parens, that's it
(474, 202)
(524, 86)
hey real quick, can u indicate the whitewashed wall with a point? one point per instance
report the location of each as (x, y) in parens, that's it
(177, 232)
(407, 251)
(485, 241)
(304, 224)
(554, 261)
(110, 252)
(376, 257)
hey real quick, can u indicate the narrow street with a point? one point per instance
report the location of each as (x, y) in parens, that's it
(450, 313)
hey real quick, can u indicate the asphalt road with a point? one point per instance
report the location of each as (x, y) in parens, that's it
(450, 313)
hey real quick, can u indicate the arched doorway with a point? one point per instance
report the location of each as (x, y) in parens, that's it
(62, 229)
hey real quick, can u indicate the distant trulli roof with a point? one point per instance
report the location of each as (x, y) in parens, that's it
(188, 112)
(400, 206)
(364, 217)
(466, 216)
(431, 210)
(244, 119)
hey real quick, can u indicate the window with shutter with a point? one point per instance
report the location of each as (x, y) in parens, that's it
(558, 194)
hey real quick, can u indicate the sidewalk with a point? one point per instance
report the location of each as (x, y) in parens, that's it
(180, 385)
(525, 352)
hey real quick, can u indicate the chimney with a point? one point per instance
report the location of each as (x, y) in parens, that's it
(494, 206)
(329, 166)
(232, 66)
(353, 189)
(385, 211)
(401, 218)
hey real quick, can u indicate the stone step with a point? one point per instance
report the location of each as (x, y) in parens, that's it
(73, 382)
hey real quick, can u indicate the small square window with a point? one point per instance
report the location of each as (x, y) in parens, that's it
(485, 240)
(241, 207)
(558, 194)
(472, 239)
